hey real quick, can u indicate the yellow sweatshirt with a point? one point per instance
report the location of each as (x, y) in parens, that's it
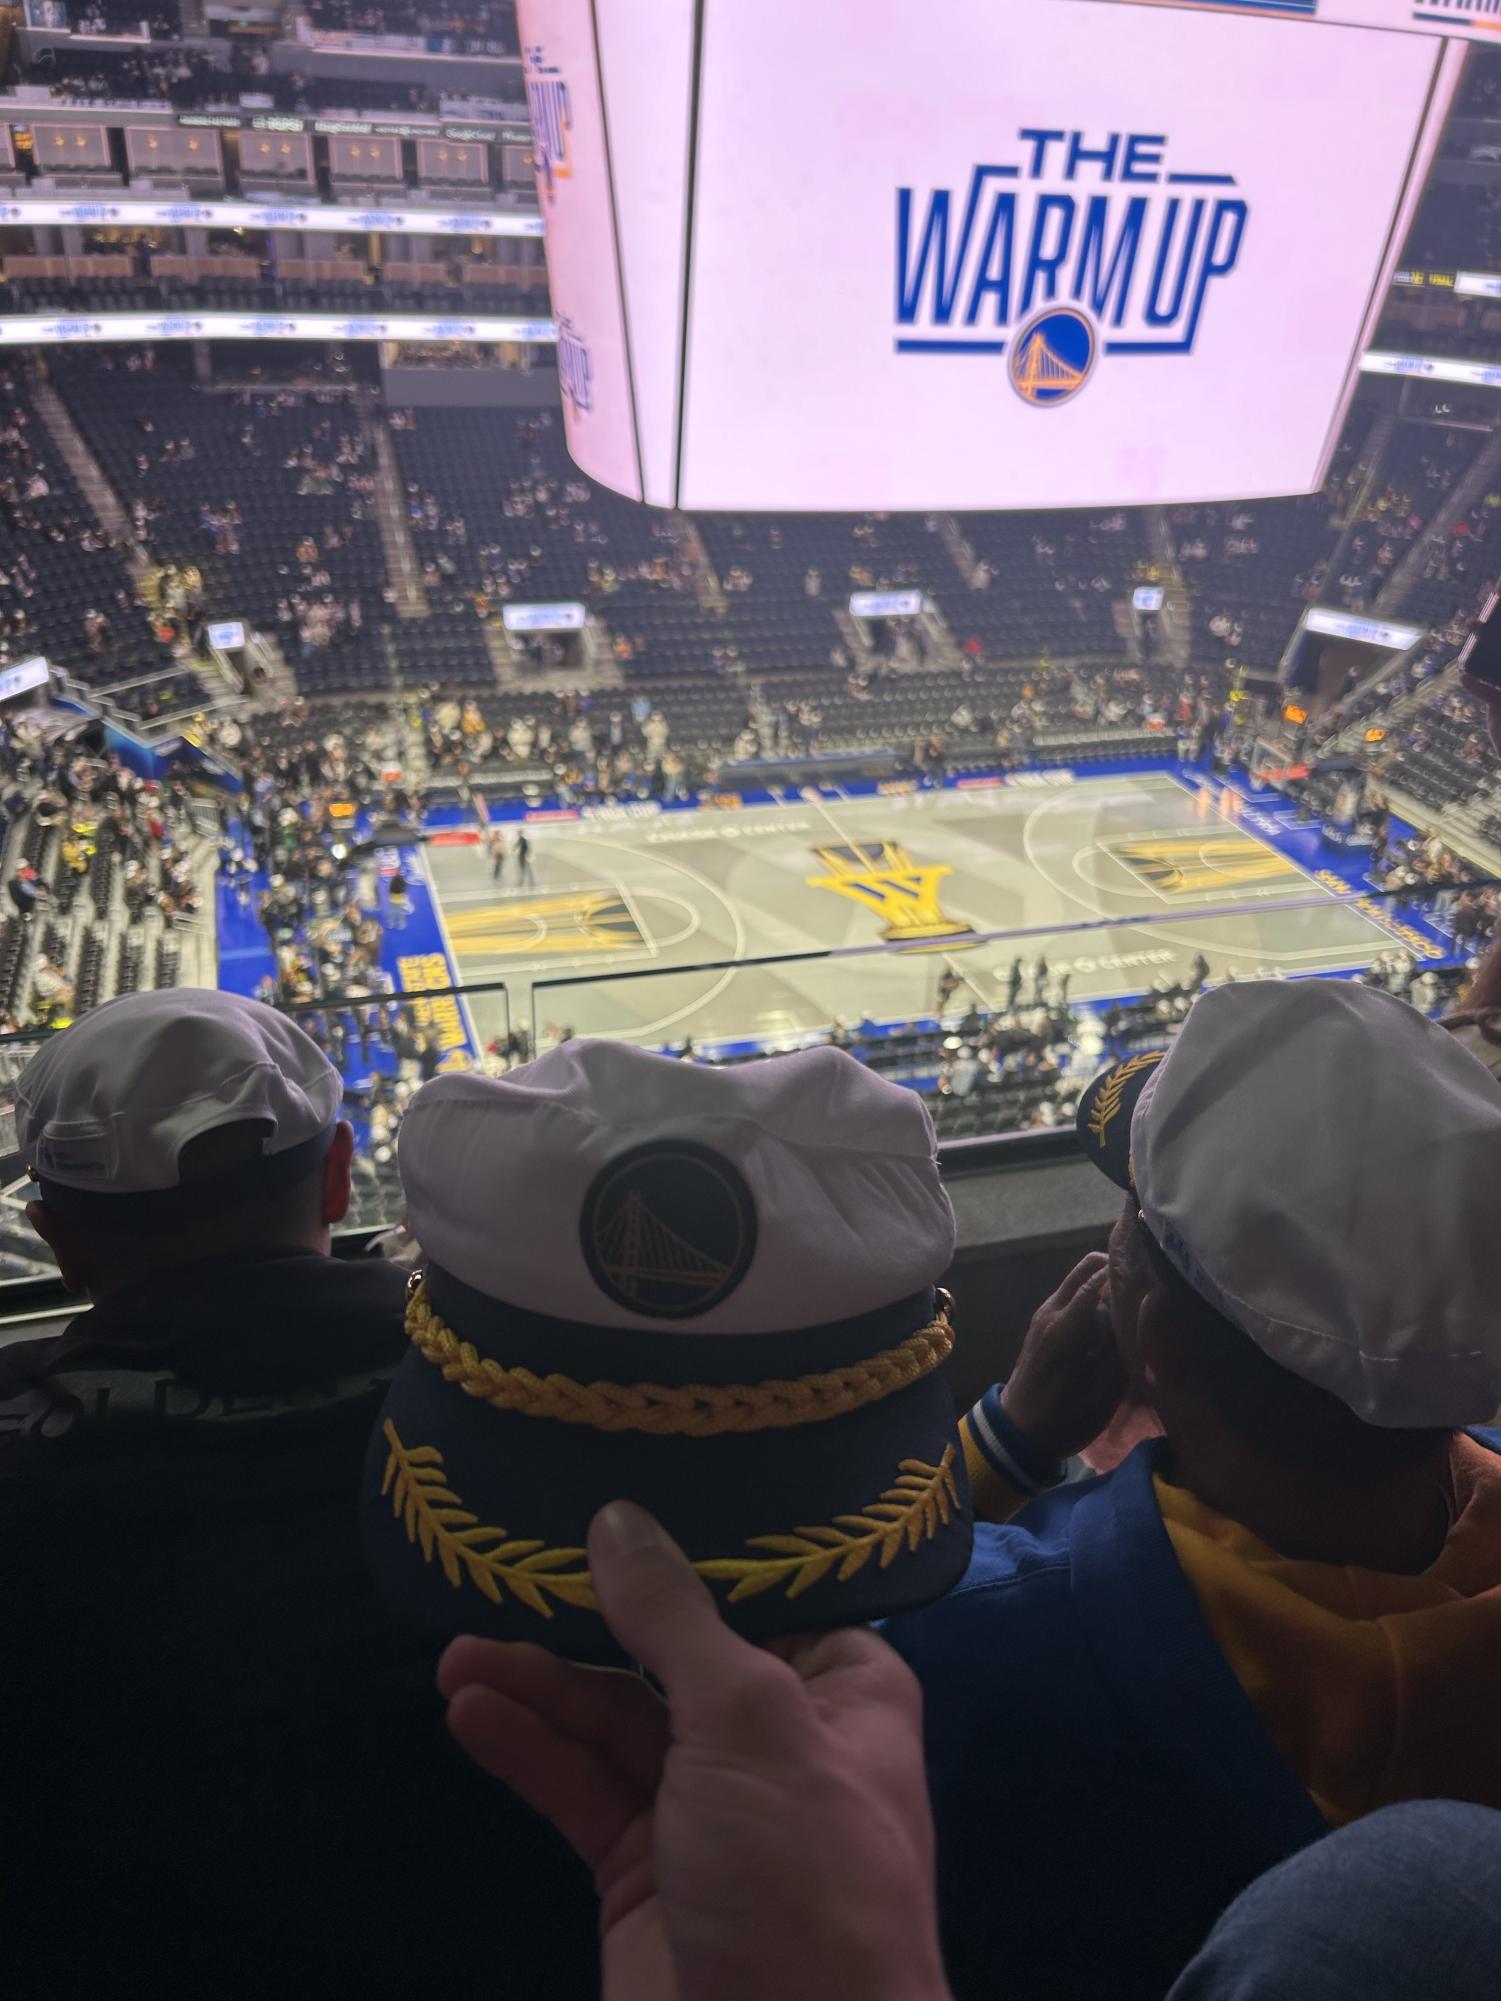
(1374, 1687)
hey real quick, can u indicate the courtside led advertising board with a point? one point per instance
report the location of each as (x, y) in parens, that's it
(1052, 253)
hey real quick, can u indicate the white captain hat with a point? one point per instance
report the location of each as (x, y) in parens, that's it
(710, 1290)
(1320, 1162)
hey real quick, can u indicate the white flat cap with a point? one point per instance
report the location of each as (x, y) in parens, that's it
(108, 1105)
(1323, 1164)
(607, 1186)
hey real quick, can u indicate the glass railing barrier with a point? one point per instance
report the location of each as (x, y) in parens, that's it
(999, 1031)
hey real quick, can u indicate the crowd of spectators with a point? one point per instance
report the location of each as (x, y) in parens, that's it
(266, 497)
(327, 909)
(481, 27)
(496, 513)
(1022, 1067)
(1438, 751)
(181, 75)
(267, 492)
(283, 498)
(1457, 571)
(186, 78)
(1421, 470)
(538, 527)
(584, 748)
(126, 17)
(65, 586)
(101, 870)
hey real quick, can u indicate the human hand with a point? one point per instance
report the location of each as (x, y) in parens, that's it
(1068, 1378)
(764, 1831)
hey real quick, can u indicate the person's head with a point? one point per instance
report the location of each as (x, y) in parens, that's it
(1206, 1379)
(169, 1128)
(1306, 1267)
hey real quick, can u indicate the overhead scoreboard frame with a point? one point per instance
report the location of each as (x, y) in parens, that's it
(1056, 253)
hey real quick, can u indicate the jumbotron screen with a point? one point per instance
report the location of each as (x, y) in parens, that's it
(1039, 254)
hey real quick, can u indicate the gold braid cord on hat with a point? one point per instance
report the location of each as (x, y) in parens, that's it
(921, 1502)
(692, 1410)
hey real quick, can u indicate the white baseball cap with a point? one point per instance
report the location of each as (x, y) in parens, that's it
(833, 1170)
(105, 1109)
(1322, 1164)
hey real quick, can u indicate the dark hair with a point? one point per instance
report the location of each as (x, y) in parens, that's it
(1287, 1419)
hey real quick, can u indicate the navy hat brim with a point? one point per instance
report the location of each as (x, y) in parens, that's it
(1103, 1120)
(475, 1517)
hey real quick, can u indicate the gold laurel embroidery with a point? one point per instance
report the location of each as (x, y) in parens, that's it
(689, 1410)
(922, 1500)
(435, 1517)
(1108, 1103)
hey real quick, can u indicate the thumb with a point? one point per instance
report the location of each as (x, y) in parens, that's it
(660, 1611)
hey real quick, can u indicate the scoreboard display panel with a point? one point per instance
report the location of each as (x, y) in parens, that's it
(1057, 253)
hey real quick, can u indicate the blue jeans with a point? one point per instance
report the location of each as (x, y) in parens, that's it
(1405, 1902)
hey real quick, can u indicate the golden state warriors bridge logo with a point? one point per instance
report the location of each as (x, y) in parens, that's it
(668, 1229)
(1079, 249)
(1052, 357)
(551, 111)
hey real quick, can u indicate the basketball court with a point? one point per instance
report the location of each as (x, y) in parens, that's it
(636, 926)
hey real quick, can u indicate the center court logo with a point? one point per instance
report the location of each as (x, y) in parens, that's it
(552, 120)
(882, 877)
(1070, 253)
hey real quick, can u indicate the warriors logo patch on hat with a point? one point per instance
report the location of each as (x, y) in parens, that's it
(669, 1228)
(712, 1292)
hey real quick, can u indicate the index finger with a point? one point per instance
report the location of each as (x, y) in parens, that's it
(1088, 1267)
(615, 1713)
(1088, 1302)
